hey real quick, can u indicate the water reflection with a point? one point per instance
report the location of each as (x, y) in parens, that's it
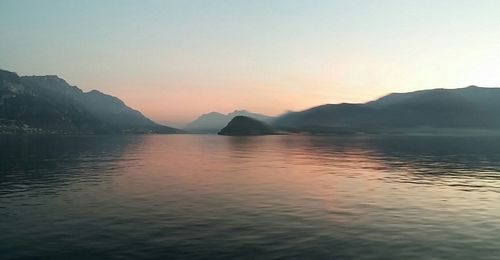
(28, 163)
(270, 197)
(471, 153)
(456, 161)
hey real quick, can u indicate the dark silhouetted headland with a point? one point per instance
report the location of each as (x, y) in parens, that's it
(243, 125)
(48, 104)
(214, 121)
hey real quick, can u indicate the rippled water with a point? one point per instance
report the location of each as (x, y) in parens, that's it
(274, 197)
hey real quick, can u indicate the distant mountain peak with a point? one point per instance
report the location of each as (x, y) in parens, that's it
(214, 121)
(212, 114)
(242, 111)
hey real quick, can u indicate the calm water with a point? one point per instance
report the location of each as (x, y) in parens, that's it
(275, 197)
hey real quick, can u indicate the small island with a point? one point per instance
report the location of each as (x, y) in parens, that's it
(244, 126)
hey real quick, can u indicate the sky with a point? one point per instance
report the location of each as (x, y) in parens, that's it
(174, 60)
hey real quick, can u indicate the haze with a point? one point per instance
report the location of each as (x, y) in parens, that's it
(174, 60)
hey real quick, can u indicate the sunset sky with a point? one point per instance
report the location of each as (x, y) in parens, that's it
(175, 60)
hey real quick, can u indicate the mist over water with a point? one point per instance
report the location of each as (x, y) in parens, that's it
(268, 197)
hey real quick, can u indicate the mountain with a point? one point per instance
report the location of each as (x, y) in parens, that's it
(50, 104)
(214, 121)
(427, 110)
(243, 125)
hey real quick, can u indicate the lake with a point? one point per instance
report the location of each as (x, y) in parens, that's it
(269, 197)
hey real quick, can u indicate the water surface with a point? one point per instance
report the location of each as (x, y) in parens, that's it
(272, 197)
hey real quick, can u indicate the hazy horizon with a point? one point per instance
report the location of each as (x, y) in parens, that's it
(141, 169)
(176, 60)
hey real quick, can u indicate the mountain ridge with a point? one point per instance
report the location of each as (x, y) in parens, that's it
(50, 104)
(462, 108)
